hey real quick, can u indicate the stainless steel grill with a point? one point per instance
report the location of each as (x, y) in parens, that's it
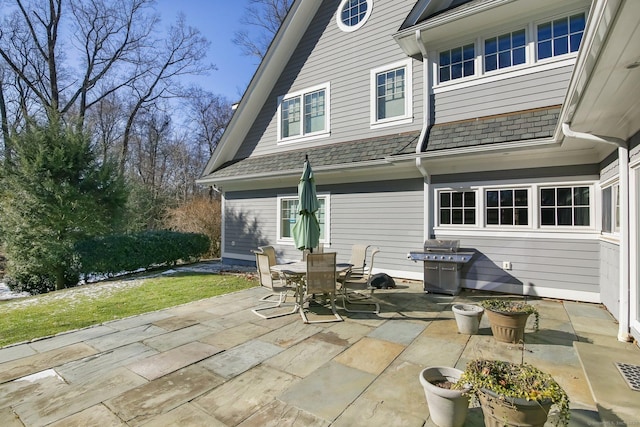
(442, 265)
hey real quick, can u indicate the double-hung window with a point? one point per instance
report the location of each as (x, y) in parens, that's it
(507, 207)
(304, 114)
(457, 63)
(565, 206)
(506, 50)
(391, 94)
(560, 36)
(288, 212)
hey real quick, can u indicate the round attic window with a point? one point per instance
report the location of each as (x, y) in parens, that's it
(352, 14)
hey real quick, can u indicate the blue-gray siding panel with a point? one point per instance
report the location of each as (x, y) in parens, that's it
(549, 263)
(386, 214)
(326, 54)
(610, 277)
(526, 92)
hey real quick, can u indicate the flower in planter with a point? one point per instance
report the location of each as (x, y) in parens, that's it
(512, 380)
(510, 306)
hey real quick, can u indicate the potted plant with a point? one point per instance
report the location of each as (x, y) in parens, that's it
(512, 394)
(508, 318)
(448, 406)
(467, 317)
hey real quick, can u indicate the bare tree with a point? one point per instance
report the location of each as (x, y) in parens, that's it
(107, 37)
(265, 17)
(181, 53)
(209, 115)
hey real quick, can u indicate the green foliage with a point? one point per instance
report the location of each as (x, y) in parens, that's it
(69, 309)
(129, 252)
(510, 306)
(52, 194)
(513, 380)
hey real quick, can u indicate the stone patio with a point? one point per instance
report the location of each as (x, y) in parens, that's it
(214, 363)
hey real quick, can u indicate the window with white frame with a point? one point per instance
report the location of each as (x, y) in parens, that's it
(457, 207)
(391, 93)
(505, 50)
(507, 207)
(560, 36)
(565, 206)
(457, 63)
(352, 14)
(552, 38)
(611, 209)
(288, 212)
(304, 114)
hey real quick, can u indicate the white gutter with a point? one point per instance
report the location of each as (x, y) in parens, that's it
(623, 170)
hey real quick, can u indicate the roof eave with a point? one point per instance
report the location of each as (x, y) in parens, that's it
(276, 58)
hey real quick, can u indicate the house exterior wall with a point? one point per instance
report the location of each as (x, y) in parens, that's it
(550, 262)
(542, 88)
(610, 276)
(386, 214)
(344, 60)
(539, 266)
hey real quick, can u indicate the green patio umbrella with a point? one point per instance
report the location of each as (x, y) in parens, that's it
(306, 230)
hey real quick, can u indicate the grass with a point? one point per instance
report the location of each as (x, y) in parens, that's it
(49, 314)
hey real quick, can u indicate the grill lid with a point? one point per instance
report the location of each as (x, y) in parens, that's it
(437, 245)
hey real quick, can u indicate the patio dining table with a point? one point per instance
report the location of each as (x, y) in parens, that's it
(295, 272)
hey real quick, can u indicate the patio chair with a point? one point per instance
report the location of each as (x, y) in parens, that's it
(277, 285)
(351, 289)
(358, 260)
(270, 252)
(320, 283)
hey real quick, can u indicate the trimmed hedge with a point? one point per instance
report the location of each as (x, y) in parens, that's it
(115, 254)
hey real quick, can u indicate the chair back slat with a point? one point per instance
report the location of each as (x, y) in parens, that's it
(321, 273)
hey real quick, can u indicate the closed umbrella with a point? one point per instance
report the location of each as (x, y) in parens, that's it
(306, 230)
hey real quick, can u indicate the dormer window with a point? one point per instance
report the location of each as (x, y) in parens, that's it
(560, 36)
(352, 14)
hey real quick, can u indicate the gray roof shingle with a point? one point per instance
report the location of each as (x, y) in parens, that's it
(334, 154)
(523, 125)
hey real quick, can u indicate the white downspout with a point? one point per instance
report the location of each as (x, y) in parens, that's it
(426, 122)
(623, 171)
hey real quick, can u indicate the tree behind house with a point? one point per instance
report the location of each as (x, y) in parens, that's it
(52, 194)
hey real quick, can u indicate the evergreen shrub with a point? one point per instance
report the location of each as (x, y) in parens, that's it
(118, 253)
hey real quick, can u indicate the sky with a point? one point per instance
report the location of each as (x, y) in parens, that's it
(217, 20)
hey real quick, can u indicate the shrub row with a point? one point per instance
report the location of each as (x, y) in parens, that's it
(109, 255)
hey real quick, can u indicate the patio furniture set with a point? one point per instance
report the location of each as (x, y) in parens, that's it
(316, 283)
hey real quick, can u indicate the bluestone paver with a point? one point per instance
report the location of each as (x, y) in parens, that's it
(213, 363)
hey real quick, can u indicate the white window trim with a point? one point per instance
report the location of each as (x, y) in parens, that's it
(478, 211)
(507, 226)
(614, 184)
(534, 229)
(408, 99)
(349, 28)
(528, 59)
(534, 37)
(312, 135)
(288, 241)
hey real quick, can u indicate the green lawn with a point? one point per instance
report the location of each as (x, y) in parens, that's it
(55, 312)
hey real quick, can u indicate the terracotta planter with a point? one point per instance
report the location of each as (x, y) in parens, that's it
(448, 408)
(499, 412)
(468, 317)
(506, 326)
